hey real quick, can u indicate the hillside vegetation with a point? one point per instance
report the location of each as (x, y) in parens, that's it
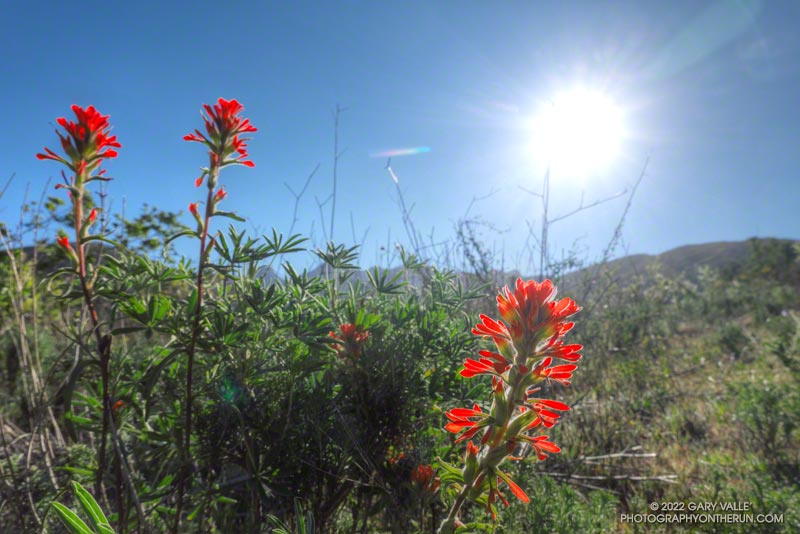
(687, 392)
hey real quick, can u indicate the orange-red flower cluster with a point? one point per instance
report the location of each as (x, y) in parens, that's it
(224, 128)
(349, 340)
(84, 140)
(528, 339)
(424, 478)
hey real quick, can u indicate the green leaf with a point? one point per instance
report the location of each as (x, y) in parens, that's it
(475, 392)
(128, 330)
(92, 509)
(191, 305)
(378, 280)
(229, 215)
(172, 238)
(158, 307)
(153, 373)
(77, 418)
(194, 513)
(73, 523)
(69, 389)
(277, 245)
(102, 239)
(278, 526)
(450, 468)
(90, 400)
(78, 471)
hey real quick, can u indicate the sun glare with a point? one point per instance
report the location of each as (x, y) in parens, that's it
(578, 132)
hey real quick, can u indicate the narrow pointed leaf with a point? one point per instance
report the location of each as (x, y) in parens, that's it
(73, 523)
(90, 506)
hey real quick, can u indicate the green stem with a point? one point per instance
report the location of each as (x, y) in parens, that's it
(185, 481)
(498, 438)
(102, 353)
(449, 522)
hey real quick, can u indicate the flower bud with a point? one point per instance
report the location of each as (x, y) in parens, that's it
(193, 209)
(470, 463)
(63, 242)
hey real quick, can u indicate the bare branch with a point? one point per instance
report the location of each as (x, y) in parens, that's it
(336, 156)
(353, 231)
(493, 191)
(581, 207)
(534, 193)
(8, 184)
(408, 223)
(614, 241)
(670, 479)
(299, 196)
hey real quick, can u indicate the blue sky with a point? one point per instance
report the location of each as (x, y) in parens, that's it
(707, 90)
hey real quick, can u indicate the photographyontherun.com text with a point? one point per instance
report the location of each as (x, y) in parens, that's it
(701, 513)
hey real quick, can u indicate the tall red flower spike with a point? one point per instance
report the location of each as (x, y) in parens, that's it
(224, 128)
(85, 139)
(528, 340)
(86, 142)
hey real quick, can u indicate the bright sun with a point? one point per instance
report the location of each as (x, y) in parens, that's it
(578, 132)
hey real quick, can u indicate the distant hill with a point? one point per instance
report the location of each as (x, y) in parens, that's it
(726, 257)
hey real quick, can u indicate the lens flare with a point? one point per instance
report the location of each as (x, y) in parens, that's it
(400, 152)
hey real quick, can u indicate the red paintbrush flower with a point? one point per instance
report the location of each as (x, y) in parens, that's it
(559, 373)
(545, 415)
(85, 139)
(460, 420)
(492, 363)
(531, 330)
(423, 477)
(224, 127)
(542, 446)
(349, 340)
(531, 313)
(498, 332)
(557, 349)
